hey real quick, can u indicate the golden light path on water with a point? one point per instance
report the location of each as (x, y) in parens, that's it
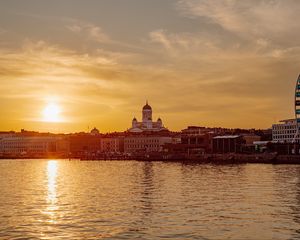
(51, 198)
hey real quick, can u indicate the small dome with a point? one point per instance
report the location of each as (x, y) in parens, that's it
(147, 106)
(134, 119)
(95, 131)
(159, 120)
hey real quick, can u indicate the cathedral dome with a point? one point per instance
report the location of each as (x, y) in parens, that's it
(147, 107)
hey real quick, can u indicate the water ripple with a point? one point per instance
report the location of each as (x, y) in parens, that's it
(143, 200)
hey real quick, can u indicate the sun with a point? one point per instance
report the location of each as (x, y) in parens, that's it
(51, 113)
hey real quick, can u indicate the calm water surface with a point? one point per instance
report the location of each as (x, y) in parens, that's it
(42, 199)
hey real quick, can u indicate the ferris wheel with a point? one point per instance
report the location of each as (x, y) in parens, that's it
(297, 109)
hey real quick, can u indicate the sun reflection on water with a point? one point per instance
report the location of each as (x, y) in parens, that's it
(51, 174)
(52, 207)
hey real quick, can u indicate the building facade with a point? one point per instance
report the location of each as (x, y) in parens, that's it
(251, 138)
(33, 146)
(147, 124)
(196, 141)
(285, 131)
(82, 143)
(112, 144)
(143, 143)
(228, 144)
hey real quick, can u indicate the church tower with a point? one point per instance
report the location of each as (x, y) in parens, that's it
(147, 113)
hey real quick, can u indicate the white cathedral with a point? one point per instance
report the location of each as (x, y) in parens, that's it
(147, 124)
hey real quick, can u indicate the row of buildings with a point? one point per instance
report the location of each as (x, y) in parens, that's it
(193, 140)
(145, 137)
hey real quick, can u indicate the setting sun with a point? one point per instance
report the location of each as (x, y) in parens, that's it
(51, 113)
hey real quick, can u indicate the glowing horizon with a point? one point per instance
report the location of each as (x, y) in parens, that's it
(198, 62)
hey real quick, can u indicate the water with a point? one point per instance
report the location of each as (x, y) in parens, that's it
(42, 199)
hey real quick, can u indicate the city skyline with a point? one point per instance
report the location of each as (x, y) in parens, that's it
(67, 65)
(149, 119)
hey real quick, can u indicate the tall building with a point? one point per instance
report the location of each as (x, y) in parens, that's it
(297, 110)
(147, 124)
(285, 131)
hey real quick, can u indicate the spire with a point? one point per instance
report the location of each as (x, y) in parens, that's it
(147, 106)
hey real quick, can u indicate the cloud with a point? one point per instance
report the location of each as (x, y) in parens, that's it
(177, 44)
(273, 20)
(245, 76)
(232, 31)
(160, 37)
(39, 68)
(93, 32)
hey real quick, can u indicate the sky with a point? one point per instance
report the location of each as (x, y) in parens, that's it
(224, 63)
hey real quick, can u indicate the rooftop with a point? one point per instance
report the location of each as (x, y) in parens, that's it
(226, 136)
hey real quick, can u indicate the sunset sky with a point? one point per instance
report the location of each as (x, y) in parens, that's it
(227, 63)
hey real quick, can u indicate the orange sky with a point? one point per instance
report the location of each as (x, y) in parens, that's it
(222, 63)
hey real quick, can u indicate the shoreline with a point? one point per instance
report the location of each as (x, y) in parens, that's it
(204, 159)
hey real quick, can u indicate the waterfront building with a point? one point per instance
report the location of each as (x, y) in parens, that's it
(34, 146)
(147, 124)
(285, 131)
(283, 148)
(83, 143)
(112, 144)
(145, 143)
(228, 144)
(190, 145)
(251, 138)
(196, 140)
(7, 134)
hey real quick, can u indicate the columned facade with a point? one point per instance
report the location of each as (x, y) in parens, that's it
(147, 124)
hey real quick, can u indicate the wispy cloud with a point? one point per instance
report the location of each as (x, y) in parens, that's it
(181, 42)
(160, 37)
(271, 20)
(90, 30)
